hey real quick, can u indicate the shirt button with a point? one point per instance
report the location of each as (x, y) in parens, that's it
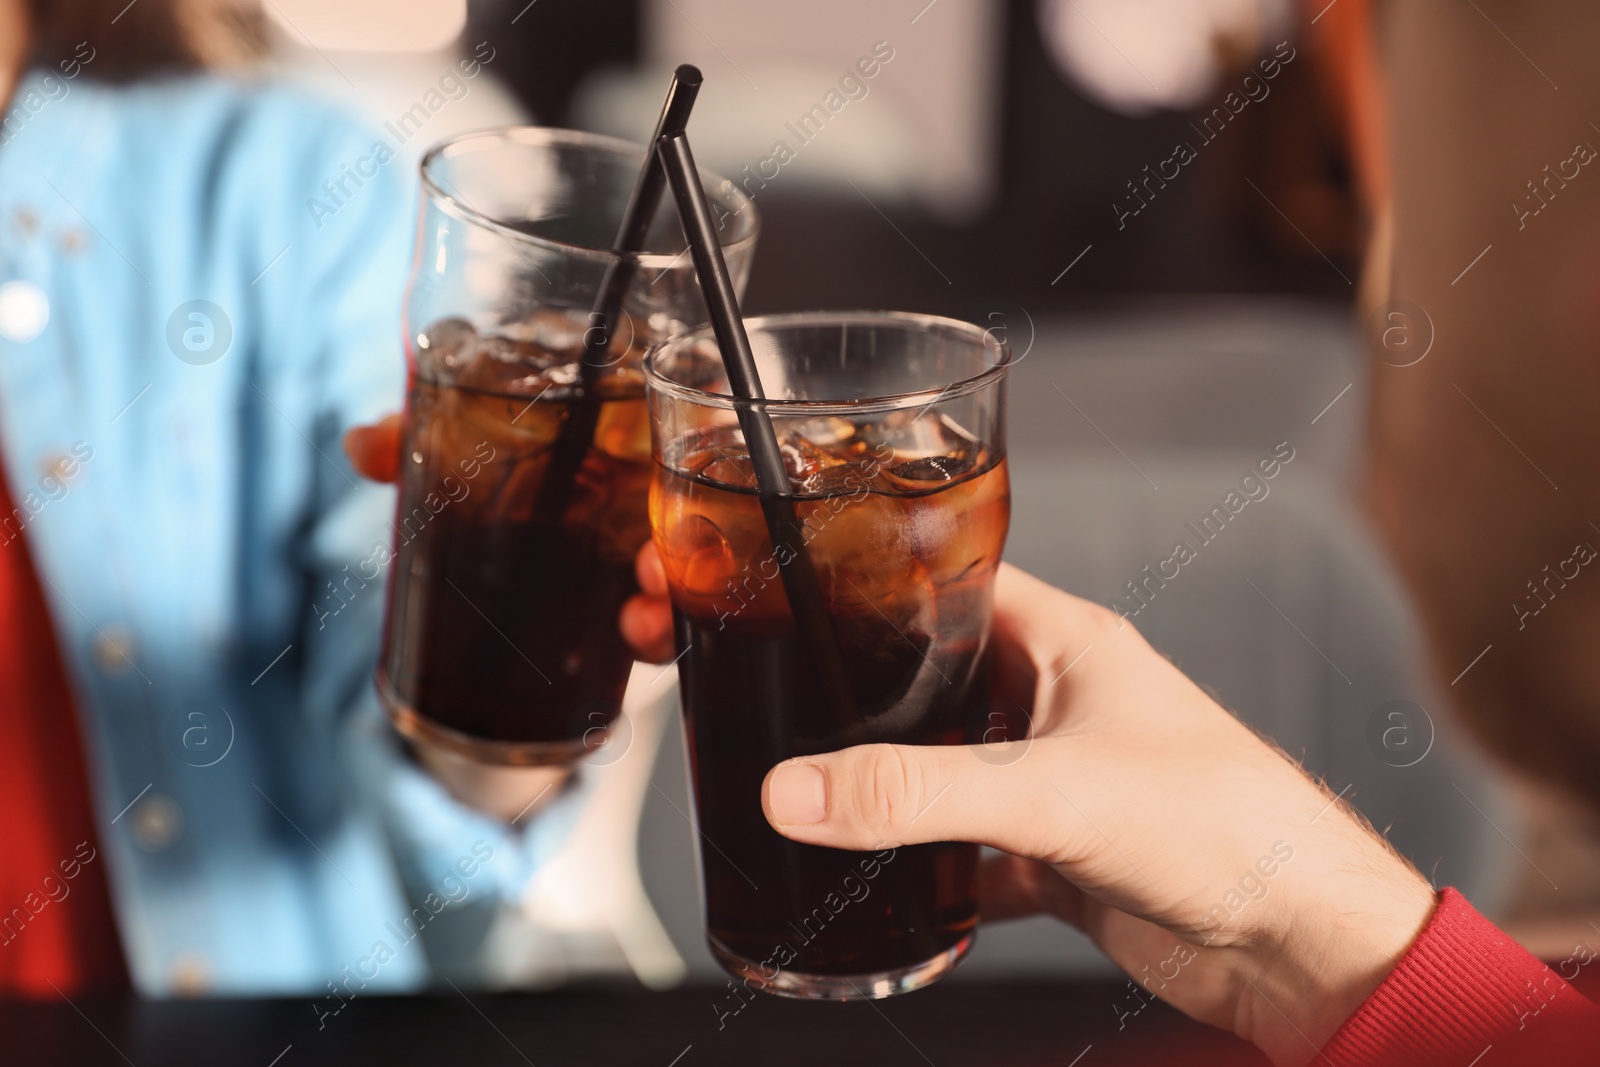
(58, 465)
(72, 242)
(113, 650)
(24, 311)
(189, 974)
(155, 822)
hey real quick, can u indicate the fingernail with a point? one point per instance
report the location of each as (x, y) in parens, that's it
(798, 794)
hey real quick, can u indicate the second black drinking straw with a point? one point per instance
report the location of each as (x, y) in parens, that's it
(800, 582)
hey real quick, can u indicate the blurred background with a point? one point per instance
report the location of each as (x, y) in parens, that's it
(970, 170)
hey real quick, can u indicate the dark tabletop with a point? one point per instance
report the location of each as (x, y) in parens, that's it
(946, 1026)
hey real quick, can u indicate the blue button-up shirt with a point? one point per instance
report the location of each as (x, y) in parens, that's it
(186, 331)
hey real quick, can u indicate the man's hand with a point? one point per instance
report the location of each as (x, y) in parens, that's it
(1199, 858)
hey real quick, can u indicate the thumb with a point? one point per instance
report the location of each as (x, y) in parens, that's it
(884, 796)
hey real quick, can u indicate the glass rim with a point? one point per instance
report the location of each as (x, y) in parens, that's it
(550, 136)
(979, 335)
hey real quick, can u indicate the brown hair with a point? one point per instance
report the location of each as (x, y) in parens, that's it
(131, 41)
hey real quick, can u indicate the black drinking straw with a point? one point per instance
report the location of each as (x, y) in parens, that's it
(772, 477)
(572, 444)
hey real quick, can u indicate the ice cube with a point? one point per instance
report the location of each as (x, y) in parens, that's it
(607, 510)
(623, 430)
(928, 473)
(552, 329)
(718, 456)
(511, 486)
(809, 464)
(715, 547)
(519, 369)
(959, 531)
(698, 556)
(835, 434)
(732, 469)
(840, 479)
(565, 331)
(619, 382)
(459, 439)
(859, 545)
(919, 435)
(510, 437)
(875, 618)
(512, 350)
(522, 422)
(444, 347)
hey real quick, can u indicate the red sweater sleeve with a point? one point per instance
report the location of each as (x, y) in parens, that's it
(1462, 989)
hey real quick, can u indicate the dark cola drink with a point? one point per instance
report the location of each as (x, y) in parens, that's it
(501, 639)
(905, 544)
